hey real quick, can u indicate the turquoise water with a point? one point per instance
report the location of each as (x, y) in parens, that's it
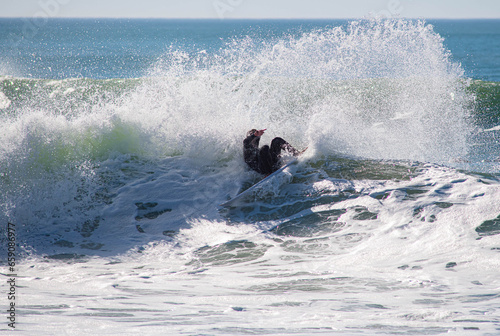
(121, 138)
(473, 43)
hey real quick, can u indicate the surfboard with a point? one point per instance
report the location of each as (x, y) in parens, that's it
(247, 192)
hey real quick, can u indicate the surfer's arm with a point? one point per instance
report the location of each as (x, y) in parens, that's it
(251, 142)
(250, 150)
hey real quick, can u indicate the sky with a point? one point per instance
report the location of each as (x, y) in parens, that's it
(227, 9)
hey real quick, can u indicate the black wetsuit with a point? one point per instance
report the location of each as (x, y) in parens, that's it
(265, 160)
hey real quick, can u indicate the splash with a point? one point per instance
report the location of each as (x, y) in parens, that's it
(378, 89)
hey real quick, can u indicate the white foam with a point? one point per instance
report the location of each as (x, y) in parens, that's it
(4, 101)
(394, 270)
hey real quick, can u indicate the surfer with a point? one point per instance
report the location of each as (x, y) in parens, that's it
(265, 160)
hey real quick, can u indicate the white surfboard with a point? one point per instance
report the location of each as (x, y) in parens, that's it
(256, 185)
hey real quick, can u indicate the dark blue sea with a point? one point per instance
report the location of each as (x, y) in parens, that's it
(120, 139)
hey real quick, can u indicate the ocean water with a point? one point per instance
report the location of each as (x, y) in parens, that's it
(120, 138)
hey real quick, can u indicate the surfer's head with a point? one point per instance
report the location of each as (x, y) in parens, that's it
(251, 132)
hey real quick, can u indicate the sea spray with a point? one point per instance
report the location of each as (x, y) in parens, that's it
(381, 89)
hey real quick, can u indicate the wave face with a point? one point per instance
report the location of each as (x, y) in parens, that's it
(113, 180)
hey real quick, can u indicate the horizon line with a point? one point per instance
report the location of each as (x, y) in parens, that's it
(252, 18)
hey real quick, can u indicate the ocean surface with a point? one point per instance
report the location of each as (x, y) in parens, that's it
(120, 139)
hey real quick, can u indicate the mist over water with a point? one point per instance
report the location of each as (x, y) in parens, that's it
(384, 90)
(377, 89)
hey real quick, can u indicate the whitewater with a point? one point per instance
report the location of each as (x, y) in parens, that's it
(388, 224)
